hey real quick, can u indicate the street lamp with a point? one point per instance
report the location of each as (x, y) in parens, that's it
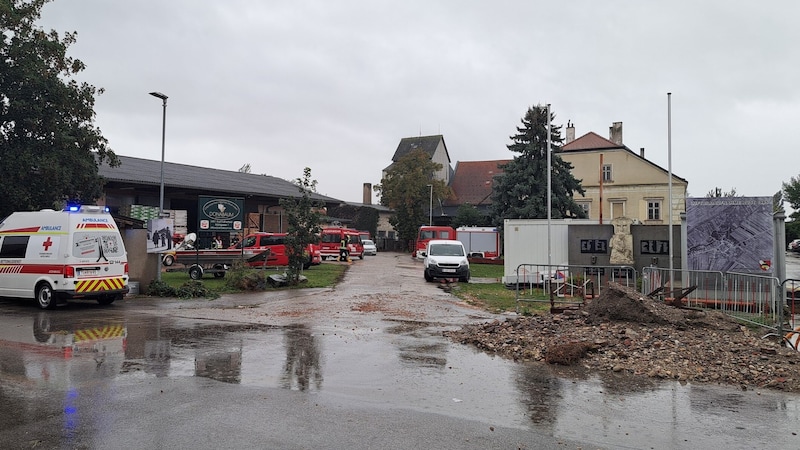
(161, 193)
(430, 207)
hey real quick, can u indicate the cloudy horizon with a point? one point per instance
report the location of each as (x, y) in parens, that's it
(335, 86)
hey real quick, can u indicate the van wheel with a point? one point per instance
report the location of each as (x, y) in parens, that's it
(195, 272)
(169, 260)
(45, 296)
(428, 278)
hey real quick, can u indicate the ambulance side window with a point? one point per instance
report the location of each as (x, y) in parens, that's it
(14, 246)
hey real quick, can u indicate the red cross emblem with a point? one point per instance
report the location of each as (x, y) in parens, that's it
(46, 244)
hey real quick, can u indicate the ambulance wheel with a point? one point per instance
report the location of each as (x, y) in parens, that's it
(106, 299)
(169, 260)
(45, 296)
(195, 272)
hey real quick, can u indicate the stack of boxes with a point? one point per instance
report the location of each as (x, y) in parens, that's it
(143, 212)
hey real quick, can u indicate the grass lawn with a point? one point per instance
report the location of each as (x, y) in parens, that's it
(494, 297)
(323, 275)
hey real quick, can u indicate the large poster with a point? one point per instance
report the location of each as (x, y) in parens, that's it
(730, 234)
(220, 213)
(159, 235)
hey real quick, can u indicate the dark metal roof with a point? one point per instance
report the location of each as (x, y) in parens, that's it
(428, 144)
(148, 172)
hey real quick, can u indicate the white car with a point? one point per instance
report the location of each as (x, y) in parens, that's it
(369, 247)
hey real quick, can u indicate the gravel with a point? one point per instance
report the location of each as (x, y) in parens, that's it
(625, 332)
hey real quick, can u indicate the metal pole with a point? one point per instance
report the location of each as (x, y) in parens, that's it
(430, 207)
(669, 207)
(549, 190)
(161, 192)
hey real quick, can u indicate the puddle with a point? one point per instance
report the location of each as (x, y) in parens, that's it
(405, 365)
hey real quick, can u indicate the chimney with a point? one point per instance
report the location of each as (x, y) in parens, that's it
(367, 194)
(615, 133)
(641, 152)
(570, 132)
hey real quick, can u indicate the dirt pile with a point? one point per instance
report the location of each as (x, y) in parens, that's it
(624, 331)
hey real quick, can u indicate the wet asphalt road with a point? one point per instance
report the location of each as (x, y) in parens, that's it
(359, 366)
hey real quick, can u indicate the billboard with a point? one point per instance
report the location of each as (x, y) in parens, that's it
(730, 234)
(220, 213)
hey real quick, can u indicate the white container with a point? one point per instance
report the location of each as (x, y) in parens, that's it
(134, 287)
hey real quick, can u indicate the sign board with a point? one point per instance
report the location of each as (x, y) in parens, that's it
(220, 213)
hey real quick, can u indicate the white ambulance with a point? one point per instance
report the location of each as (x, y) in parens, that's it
(53, 256)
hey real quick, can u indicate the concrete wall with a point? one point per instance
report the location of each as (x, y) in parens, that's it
(650, 245)
(141, 265)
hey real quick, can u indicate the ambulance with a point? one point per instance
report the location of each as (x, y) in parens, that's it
(53, 256)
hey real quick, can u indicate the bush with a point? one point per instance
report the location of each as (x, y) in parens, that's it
(242, 278)
(190, 289)
(195, 289)
(158, 288)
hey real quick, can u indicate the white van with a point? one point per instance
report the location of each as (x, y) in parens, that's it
(446, 259)
(56, 255)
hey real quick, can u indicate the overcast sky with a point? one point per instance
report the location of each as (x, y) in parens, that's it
(335, 84)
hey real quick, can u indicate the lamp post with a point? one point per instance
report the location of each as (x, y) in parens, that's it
(430, 207)
(161, 192)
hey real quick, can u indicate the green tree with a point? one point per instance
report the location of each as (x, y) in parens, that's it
(791, 194)
(406, 189)
(520, 192)
(49, 146)
(469, 216)
(717, 192)
(364, 218)
(303, 215)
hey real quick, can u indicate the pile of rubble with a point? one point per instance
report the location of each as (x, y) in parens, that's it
(624, 331)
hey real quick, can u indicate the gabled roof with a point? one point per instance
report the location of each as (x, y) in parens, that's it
(148, 172)
(428, 144)
(472, 181)
(590, 141)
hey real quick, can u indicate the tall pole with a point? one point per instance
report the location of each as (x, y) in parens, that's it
(430, 207)
(549, 189)
(669, 167)
(161, 192)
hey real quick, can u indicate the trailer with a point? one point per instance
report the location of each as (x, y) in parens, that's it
(216, 261)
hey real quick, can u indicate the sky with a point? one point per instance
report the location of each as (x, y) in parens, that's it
(334, 85)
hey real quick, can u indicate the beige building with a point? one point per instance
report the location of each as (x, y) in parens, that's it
(619, 182)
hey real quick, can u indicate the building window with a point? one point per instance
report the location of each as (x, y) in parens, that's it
(607, 172)
(654, 210)
(585, 206)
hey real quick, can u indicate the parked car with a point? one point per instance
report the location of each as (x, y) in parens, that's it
(369, 247)
(794, 246)
(446, 259)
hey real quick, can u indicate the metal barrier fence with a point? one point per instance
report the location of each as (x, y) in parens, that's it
(753, 298)
(565, 286)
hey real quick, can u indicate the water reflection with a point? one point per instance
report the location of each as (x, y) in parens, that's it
(420, 350)
(302, 368)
